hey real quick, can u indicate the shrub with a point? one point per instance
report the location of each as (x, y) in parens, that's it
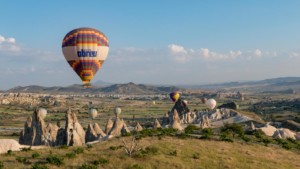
(100, 161)
(147, 151)
(115, 147)
(283, 143)
(173, 153)
(89, 146)
(35, 155)
(23, 160)
(38, 166)
(225, 137)
(206, 133)
(135, 166)
(71, 155)
(63, 147)
(9, 153)
(1, 165)
(233, 129)
(79, 150)
(196, 156)
(190, 129)
(246, 138)
(26, 149)
(266, 141)
(87, 166)
(53, 159)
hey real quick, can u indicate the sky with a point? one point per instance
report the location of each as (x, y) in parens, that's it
(170, 42)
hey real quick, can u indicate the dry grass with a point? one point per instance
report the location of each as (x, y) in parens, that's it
(210, 154)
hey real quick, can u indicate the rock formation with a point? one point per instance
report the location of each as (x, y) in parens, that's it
(75, 135)
(90, 134)
(156, 124)
(204, 123)
(267, 130)
(138, 127)
(176, 121)
(109, 125)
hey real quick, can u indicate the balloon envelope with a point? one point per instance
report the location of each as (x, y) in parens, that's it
(118, 111)
(43, 112)
(174, 96)
(85, 49)
(93, 113)
(211, 103)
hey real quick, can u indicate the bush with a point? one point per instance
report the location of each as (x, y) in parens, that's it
(9, 153)
(233, 129)
(100, 161)
(266, 141)
(23, 160)
(135, 166)
(79, 150)
(190, 129)
(63, 147)
(87, 166)
(26, 149)
(196, 156)
(38, 166)
(147, 151)
(115, 147)
(71, 155)
(173, 153)
(225, 137)
(283, 143)
(206, 133)
(245, 138)
(35, 155)
(53, 159)
(89, 146)
(1, 165)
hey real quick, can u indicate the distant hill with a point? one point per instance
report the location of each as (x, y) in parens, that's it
(101, 83)
(273, 85)
(128, 88)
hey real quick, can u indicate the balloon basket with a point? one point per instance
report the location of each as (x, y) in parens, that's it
(87, 86)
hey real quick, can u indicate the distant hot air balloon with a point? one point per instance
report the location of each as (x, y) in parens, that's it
(211, 103)
(203, 100)
(118, 111)
(93, 113)
(43, 112)
(85, 49)
(174, 96)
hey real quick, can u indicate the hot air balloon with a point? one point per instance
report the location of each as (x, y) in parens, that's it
(118, 111)
(174, 96)
(43, 112)
(85, 49)
(211, 103)
(93, 113)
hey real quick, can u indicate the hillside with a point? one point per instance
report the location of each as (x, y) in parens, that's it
(128, 88)
(166, 152)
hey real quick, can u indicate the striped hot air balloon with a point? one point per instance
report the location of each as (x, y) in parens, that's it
(85, 49)
(174, 96)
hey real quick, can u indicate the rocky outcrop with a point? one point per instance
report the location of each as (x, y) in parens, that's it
(138, 127)
(117, 127)
(51, 134)
(75, 135)
(109, 125)
(284, 134)
(90, 134)
(267, 130)
(35, 132)
(156, 124)
(204, 123)
(176, 122)
(222, 113)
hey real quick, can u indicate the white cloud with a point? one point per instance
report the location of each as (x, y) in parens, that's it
(257, 53)
(9, 45)
(179, 53)
(176, 49)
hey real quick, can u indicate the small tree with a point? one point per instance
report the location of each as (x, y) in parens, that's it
(132, 148)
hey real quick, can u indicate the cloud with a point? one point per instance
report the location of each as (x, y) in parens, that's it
(179, 53)
(8, 45)
(257, 53)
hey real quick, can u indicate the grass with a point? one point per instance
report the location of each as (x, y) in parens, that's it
(167, 152)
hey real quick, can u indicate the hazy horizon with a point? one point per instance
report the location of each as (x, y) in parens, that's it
(156, 42)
